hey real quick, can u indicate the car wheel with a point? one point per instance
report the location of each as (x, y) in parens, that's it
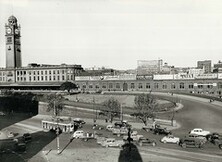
(107, 146)
(184, 145)
(154, 144)
(220, 146)
(178, 142)
(164, 141)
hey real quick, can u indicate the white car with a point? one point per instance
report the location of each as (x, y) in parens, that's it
(170, 139)
(111, 142)
(109, 127)
(199, 132)
(78, 134)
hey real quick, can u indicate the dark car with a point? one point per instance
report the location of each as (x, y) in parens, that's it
(20, 147)
(214, 138)
(27, 137)
(191, 142)
(159, 130)
(146, 141)
(122, 124)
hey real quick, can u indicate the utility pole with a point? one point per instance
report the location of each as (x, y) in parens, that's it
(121, 111)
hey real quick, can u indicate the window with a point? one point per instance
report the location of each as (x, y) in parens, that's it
(30, 72)
(38, 72)
(30, 78)
(34, 78)
(219, 85)
(181, 85)
(210, 85)
(63, 71)
(90, 86)
(191, 86)
(147, 85)
(42, 72)
(50, 72)
(117, 85)
(104, 86)
(58, 77)
(110, 85)
(84, 86)
(9, 39)
(42, 78)
(97, 86)
(173, 86)
(46, 78)
(156, 85)
(57, 71)
(33, 72)
(164, 86)
(132, 85)
(17, 72)
(63, 77)
(200, 85)
(53, 71)
(38, 78)
(140, 86)
(50, 78)
(46, 72)
(54, 78)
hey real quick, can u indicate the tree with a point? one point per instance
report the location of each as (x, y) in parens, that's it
(113, 106)
(145, 106)
(55, 103)
(68, 86)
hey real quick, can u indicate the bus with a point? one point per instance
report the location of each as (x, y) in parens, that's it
(64, 125)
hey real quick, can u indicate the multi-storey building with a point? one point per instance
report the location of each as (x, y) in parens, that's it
(206, 65)
(34, 75)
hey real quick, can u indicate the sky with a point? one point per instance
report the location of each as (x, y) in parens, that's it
(115, 33)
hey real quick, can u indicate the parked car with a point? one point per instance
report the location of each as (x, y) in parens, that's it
(198, 137)
(87, 136)
(2, 114)
(20, 147)
(78, 134)
(214, 137)
(134, 136)
(191, 142)
(120, 131)
(200, 132)
(109, 127)
(159, 130)
(27, 137)
(79, 121)
(100, 140)
(96, 126)
(122, 124)
(170, 139)
(146, 141)
(112, 142)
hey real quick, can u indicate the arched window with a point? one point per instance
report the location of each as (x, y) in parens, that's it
(219, 85)
(164, 86)
(181, 85)
(156, 85)
(173, 86)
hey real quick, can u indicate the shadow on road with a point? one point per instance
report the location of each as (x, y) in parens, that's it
(38, 142)
(12, 118)
(129, 153)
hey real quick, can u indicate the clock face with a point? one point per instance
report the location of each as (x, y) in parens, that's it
(8, 30)
(16, 31)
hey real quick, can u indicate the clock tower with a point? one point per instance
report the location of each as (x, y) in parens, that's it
(13, 45)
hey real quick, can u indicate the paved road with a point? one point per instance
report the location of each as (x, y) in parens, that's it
(195, 113)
